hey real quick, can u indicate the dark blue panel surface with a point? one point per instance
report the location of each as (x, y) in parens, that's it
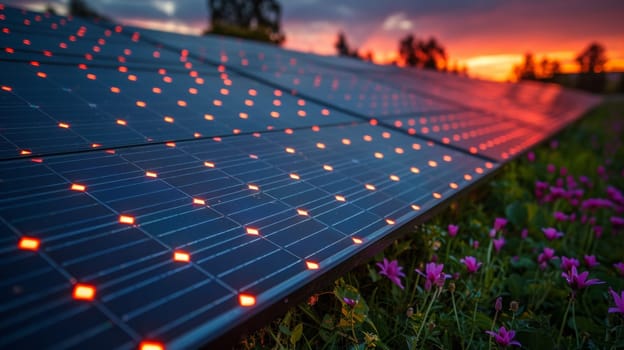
(151, 180)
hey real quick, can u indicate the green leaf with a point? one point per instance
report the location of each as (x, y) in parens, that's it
(296, 334)
(517, 213)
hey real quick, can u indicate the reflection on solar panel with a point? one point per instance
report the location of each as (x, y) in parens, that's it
(164, 190)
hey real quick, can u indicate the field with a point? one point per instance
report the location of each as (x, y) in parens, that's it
(532, 259)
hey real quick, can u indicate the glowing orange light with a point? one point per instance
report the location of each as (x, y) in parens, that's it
(489, 165)
(328, 167)
(84, 292)
(95, 145)
(169, 119)
(252, 231)
(301, 113)
(110, 151)
(78, 187)
(447, 158)
(167, 80)
(91, 76)
(325, 112)
(199, 201)
(122, 69)
(63, 125)
(394, 178)
(246, 300)
(467, 177)
(121, 122)
(479, 170)
(115, 90)
(7, 88)
(209, 164)
(316, 128)
(390, 221)
(150, 345)
(370, 187)
(436, 195)
(385, 135)
(415, 170)
(141, 104)
(253, 156)
(170, 144)
(320, 145)
(181, 103)
(346, 142)
(224, 91)
(357, 240)
(379, 155)
(208, 117)
(151, 174)
(290, 150)
(243, 115)
(416, 147)
(28, 243)
(399, 150)
(126, 219)
(340, 198)
(453, 185)
(25, 152)
(295, 176)
(275, 114)
(311, 265)
(253, 187)
(192, 91)
(302, 212)
(249, 102)
(37, 160)
(217, 103)
(197, 135)
(432, 163)
(415, 207)
(41, 75)
(181, 256)
(367, 138)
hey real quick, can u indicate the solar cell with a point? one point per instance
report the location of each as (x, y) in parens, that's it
(163, 190)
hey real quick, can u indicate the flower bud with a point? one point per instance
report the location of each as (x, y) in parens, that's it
(498, 306)
(513, 306)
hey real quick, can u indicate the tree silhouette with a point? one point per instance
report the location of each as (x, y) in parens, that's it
(79, 8)
(421, 54)
(342, 47)
(591, 62)
(251, 19)
(526, 70)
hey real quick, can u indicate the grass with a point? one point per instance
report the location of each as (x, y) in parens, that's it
(513, 287)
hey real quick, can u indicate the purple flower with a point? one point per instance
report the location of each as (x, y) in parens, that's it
(498, 243)
(563, 171)
(504, 337)
(590, 261)
(475, 244)
(433, 275)
(617, 222)
(349, 301)
(498, 305)
(531, 157)
(499, 223)
(597, 231)
(602, 171)
(524, 234)
(579, 281)
(551, 233)
(472, 265)
(545, 256)
(392, 270)
(568, 263)
(596, 203)
(559, 216)
(620, 268)
(618, 300)
(452, 230)
(615, 195)
(551, 168)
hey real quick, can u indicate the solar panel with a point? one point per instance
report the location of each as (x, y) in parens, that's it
(169, 190)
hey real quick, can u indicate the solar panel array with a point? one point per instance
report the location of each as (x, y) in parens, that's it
(161, 190)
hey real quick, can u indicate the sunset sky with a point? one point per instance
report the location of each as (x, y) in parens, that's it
(489, 36)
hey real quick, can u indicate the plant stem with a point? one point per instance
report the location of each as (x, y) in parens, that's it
(474, 317)
(456, 317)
(424, 321)
(565, 316)
(492, 329)
(574, 324)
